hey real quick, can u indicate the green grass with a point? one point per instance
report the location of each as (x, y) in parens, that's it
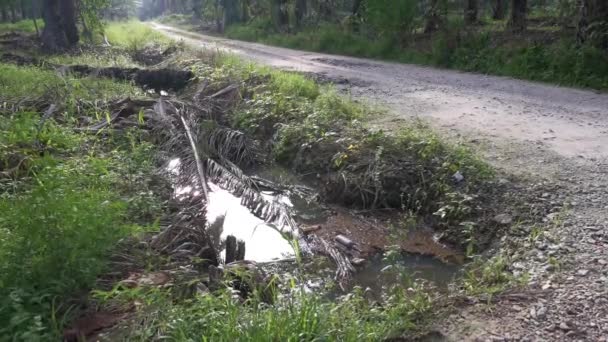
(110, 58)
(134, 35)
(31, 83)
(298, 317)
(66, 207)
(26, 26)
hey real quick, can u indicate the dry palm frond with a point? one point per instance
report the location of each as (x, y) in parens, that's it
(233, 145)
(215, 158)
(344, 268)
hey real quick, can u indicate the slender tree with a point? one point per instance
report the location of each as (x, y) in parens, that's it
(280, 17)
(519, 9)
(593, 23)
(498, 10)
(60, 31)
(231, 12)
(300, 11)
(4, 13)
(433, 16)
(470, 12)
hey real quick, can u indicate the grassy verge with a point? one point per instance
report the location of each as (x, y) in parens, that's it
(301, 317)
(134, 35)
(561, 62)
(66, 197)
(26, 26)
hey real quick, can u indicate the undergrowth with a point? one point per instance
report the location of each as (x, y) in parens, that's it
(32, 83)
(67, 206)
(299, 317)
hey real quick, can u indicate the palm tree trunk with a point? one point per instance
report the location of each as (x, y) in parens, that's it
(433, 17)
(519, 9)
(498, 10)
(591, 13)
(67, 11)
(300, 11)
(470, 13)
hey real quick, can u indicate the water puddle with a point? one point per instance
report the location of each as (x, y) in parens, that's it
(422, 258)
(379, 273)
(263, 242)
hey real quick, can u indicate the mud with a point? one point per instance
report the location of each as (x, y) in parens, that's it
(157, 79)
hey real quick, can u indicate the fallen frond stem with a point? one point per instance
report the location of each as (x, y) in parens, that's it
(199, 164)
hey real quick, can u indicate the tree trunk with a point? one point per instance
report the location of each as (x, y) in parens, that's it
(279, 14)
(498, 10)
(300, 12)
(13, 13)
(67, 11)
(244, 11)
(23, 10)
(433, 17)
(218, 16)
(517, 23)
(470, 12)
(197, 8)
(4, 14)
(592, 23)
(231, 13)
(60, 31)
(53, 37)
(35, 14)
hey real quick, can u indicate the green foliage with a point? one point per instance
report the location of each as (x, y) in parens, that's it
(90, 11)
(562, 62)
(294, 85)
(17, 83)
(61, 216)
(298, 317)
(393, 18)
(489, 277)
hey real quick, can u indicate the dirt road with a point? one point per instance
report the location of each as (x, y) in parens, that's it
(556, 137)
(571, 122)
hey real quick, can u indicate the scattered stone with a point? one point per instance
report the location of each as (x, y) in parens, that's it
(310, 229)
(582, 272)
(358, 262)
(564, 326)
(503, 219)
(458, 177)
(541, 312)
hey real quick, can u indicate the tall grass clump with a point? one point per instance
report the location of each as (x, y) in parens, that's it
(134, 35)
(298, 317)
(31, 82)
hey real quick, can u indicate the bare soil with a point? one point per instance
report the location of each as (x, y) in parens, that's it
(554, 137)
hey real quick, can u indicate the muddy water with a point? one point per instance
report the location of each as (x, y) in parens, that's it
(380, 273)
(423, 256)
(265, 242)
